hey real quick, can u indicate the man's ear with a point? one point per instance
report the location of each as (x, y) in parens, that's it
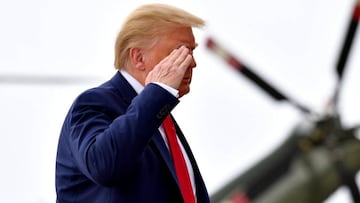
(137, 58)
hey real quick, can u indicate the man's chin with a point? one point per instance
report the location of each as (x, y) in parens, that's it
(183, 91)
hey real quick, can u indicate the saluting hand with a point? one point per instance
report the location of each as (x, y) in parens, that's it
(170, 71)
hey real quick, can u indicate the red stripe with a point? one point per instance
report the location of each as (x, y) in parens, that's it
(234, 63)
(230, 60)
(356, 14)
(210, 43)
(239, 198)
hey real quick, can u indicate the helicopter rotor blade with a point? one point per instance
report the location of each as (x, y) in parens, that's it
(349, 38)
(246, 71)
(44, 79)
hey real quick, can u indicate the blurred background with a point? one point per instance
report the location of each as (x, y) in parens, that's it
(52, 50)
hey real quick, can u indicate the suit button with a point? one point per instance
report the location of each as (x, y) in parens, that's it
(164, 111)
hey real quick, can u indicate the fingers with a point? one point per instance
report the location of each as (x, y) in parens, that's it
(172, 68)
(177, 58)
(182, 53)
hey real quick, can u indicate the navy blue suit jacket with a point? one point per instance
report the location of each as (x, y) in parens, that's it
(110, 149)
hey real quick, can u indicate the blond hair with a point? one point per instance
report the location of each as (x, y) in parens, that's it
(145, 23)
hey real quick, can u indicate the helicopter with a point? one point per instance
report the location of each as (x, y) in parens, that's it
(15, 79)
(315, 159)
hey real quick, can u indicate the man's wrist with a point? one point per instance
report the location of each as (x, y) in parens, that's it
(171, 90)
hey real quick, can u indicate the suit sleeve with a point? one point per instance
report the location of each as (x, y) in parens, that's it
(107, 138)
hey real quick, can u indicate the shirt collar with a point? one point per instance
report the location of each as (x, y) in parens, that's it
(133, 82)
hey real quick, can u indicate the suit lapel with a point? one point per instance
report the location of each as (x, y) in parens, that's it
(201, 191)
(184, 143)
(164, 152)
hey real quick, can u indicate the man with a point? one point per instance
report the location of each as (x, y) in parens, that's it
(114, 146)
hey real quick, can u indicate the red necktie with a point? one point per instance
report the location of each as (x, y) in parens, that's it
(179, 161)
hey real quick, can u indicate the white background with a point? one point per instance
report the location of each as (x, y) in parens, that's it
(229, 123)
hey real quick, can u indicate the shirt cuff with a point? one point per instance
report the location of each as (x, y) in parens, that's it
(171, 90)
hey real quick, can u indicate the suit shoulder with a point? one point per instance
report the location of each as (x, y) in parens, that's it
(100, 93)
